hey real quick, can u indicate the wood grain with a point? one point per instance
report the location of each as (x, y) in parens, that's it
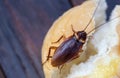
(23, 25)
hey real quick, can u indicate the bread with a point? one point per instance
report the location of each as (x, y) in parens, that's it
(78, 17)
(106, 43)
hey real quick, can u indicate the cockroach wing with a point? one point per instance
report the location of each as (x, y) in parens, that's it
(66, 51)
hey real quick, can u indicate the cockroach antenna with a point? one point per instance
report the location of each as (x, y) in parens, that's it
(92, 15)
(103, 24)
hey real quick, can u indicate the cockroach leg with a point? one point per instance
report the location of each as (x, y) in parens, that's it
(48, 57)
(62, 37)
(73, 29)
(60, 67)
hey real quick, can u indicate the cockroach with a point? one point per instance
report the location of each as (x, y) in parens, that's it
(71, 47)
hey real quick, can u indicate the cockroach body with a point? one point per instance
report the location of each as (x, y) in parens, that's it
(69, 49)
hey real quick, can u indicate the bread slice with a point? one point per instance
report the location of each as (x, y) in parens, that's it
(78, 17)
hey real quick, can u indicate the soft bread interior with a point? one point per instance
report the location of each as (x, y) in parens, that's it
(106, 43)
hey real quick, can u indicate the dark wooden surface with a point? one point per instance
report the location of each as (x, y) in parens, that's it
(23, 25)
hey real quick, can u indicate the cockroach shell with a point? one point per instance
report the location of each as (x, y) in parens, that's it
(78, 17)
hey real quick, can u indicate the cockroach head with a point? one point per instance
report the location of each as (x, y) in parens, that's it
(82, 35)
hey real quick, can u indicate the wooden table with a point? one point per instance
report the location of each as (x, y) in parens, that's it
(23, 25)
